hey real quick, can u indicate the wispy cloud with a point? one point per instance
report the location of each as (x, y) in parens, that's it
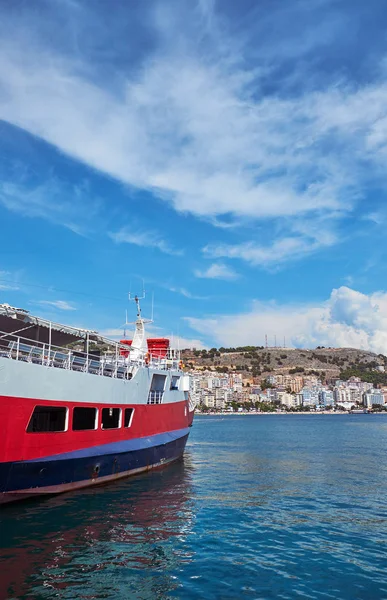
(149, 239)
(280, 251)
(378, 217)
(58, 304)
(8, 281)
(51, 200)
(186, 293)
(217, 271)
(196, 122)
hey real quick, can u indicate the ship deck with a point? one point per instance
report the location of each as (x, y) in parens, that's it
(111, 364)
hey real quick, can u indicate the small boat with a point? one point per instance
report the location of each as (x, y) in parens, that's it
(72, 418)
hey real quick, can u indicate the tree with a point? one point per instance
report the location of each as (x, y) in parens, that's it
(266, 386)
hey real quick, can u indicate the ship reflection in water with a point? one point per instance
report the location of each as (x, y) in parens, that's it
(123, 540)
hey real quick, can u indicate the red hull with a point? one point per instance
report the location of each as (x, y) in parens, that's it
(17, 445)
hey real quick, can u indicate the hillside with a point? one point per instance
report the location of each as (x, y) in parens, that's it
(257, 361)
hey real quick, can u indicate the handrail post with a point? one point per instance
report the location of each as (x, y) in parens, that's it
(49, 346)
(87, 351)
(17, 348)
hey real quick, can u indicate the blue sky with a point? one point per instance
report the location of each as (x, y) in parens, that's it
(232, 154)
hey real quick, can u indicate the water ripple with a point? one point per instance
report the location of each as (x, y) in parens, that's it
(260, 508)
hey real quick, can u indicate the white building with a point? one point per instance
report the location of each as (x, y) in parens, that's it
(290, 400)
(342, 395)
(373, 397)
(209, 400)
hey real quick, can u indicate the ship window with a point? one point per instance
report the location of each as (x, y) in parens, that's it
(158, 383)
(111, 418)
(175, 382)
(128, 417)
(48, 419)
(84, 417)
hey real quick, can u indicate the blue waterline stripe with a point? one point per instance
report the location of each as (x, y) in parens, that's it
(117, 447)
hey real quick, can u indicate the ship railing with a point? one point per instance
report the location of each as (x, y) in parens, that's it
(109, 365)
(155, 397)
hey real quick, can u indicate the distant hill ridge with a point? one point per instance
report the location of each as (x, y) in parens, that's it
(258, 361)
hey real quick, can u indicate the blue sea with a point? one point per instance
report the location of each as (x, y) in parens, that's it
(266, 506)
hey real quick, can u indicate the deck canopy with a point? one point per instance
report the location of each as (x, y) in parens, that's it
(20, 322)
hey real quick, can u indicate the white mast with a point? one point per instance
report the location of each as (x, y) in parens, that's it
(139, 345)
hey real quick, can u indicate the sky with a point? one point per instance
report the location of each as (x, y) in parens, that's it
(230, 154)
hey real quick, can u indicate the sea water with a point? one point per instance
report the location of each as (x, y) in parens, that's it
(265, 506)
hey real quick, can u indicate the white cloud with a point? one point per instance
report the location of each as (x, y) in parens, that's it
(149, 239)
(217, 271)
(198, 131)
(196, 128)
(58, 304)
(182, 343)
(347, 319)
(114, 333)
(127, 331)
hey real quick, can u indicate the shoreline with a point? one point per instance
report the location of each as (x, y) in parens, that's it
(314, 413)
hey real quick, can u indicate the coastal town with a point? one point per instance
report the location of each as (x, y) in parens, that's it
(286, 393)
(348, 382)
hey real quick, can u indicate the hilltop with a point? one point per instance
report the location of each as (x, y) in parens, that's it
(258, 362)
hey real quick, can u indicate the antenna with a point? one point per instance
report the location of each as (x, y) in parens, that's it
(137, 299)
(130, 295)
(266, 340)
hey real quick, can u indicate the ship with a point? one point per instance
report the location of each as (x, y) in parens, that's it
(74, 416)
